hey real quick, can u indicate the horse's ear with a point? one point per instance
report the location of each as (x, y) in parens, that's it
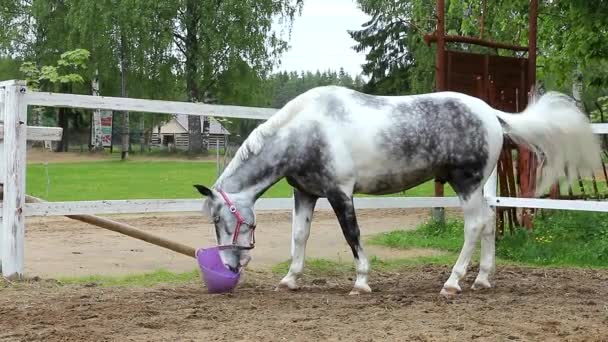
(204, 190)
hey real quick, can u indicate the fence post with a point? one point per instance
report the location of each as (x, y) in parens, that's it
(2, 165)
(15, 140)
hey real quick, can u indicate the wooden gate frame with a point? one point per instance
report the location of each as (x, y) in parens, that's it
(527, 164)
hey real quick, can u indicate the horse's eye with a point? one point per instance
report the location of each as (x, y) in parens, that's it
(216, 219)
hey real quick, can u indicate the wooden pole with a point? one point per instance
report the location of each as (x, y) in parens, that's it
(483, 18)
(528, 165)
(431, 38)
(532, 42)
(13, 158)
(125, 229)
(440, 85)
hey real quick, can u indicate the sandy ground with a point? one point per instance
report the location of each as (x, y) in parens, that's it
(527, 304)
(58, 246)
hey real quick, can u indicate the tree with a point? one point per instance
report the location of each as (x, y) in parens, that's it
(211, 35)
(397, 60)
(14, 20)
(570, 36)
(68, 70)
(132, 46)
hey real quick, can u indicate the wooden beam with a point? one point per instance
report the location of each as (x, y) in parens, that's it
(125, 229)
(440, 85)
(432, 37)
(559, 204)
(35, 133)
(146, 105)
(533, 17)
(194, 205)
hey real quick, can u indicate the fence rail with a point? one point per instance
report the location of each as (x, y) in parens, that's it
(195, 205)
(145, 105)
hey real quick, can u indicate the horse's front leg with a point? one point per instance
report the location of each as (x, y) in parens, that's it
(344, 208)
(304, 206)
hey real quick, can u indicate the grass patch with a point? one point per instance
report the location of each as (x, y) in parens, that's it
(329, 268)
(447, 237)
(144, 279)
(118, 180)
(559, 238)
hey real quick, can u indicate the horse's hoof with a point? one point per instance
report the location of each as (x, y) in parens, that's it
(449, 292)
(287, 284)
(481, 284)
(360, 289)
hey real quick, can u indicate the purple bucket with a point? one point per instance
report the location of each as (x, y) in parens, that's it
(217, 277)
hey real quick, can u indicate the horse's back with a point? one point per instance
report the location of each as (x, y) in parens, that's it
(391, 143)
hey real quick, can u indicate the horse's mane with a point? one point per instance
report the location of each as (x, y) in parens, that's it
(255, 141)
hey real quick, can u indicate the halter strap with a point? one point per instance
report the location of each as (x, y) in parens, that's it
(239, 221)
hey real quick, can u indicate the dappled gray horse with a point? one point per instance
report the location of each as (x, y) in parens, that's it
(334, 142)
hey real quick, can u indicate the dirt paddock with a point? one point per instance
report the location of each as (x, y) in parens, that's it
(527, 304)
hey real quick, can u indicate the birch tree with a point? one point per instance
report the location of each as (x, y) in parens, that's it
(211, 35)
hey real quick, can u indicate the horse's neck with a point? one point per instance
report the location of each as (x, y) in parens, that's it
(251, 177)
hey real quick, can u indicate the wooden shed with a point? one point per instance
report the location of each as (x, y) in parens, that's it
(174, 133)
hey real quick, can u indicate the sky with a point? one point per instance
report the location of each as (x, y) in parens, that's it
(319, 40)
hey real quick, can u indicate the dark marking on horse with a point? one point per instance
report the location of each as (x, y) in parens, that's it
(303, 160)
(431, 132)
(335, 107)
(345, 211)
(502, 122)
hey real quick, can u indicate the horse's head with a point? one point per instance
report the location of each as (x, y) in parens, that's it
(234, 226)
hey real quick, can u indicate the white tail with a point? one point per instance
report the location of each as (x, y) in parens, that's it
(560, 135)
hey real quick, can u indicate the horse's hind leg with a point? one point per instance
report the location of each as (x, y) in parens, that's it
(475, 220)
(487, 261)
(304, 206)
(344, 208)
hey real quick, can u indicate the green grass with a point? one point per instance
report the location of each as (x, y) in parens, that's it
(324, 267)
(560, 238)
(447, 237)
(144, 279)
(115, 180)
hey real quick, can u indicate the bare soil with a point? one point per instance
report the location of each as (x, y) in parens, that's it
(527, 304)
(58, 246)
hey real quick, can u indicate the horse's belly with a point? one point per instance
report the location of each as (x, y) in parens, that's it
(391, 180)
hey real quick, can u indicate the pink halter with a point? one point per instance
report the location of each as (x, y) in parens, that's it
(237, 229)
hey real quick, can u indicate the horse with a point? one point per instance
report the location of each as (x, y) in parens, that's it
(334, 142)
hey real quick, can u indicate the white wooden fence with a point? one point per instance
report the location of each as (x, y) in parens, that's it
(15, 98)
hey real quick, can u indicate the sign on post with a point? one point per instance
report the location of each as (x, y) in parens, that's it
(106, 127)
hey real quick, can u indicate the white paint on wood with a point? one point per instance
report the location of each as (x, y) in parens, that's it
(144, 105)
(35, 133)
(581, 205)
(15, 118)
(2, 165)
(600, 128)
(194, 205)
